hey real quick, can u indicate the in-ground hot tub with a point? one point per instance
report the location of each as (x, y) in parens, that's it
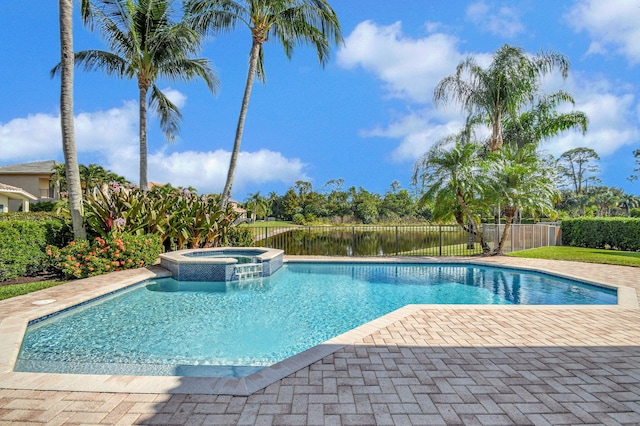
(222, 264)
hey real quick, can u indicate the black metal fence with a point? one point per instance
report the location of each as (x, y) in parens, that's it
(424, 240)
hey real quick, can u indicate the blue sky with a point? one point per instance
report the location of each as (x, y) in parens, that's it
(365, 118)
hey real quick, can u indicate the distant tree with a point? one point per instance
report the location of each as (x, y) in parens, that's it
(290, 205)
(606, 199)
(91, 176)
(365, 205)
(146, 44)
(258, 205)
(397, 203)
(291, 22)
(629, 202)
(315, 206)
(577, 165)
(338, 205)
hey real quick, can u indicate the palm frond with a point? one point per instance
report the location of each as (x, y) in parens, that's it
(168, 112)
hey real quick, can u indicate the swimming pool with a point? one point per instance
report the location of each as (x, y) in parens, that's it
(232, 329)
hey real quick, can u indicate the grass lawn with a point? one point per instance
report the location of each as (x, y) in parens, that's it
(450, 250)
(579, 254)
(269, 224)
(12, 290)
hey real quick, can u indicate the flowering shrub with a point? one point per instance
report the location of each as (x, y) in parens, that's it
(118, 252)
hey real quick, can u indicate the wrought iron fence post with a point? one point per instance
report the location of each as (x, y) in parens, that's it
(440, 244)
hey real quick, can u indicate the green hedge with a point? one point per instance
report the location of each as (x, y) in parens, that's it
(23, 239)
(619, 233)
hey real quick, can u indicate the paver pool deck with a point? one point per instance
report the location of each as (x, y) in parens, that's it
(420, 365)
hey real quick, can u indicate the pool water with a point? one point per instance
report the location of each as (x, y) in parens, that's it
(232, 329)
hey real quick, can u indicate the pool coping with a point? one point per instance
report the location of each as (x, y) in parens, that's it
(12, 329)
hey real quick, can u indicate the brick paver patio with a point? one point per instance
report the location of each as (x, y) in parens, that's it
(423, 365)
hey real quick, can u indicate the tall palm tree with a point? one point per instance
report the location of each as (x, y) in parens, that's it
(146, 44)
(489, 95)
(521, 180)
(454, 178)
(66, 119)
(291, 22)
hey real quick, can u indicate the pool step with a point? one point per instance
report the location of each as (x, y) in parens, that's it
(248, 270)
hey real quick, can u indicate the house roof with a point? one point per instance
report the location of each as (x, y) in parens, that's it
(16, 193)
(34, 168)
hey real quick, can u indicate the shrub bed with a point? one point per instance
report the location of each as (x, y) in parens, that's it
(116, 253)
(23, 240)
(604, 233)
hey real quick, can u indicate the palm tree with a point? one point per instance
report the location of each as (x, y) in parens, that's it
(258, 205)
(146, 44)
(66, 119)
(491, 95)
(454, 179)
(291, 22)
(521, 181)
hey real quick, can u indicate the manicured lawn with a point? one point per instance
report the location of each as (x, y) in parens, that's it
(269, 224)
(579, 254)
(12, 290)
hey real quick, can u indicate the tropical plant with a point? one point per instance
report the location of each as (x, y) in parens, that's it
(291, 22)
(180, 217)
(451, 171)
(66, 118)
(521, 181)
(146, 44)
(491, 95)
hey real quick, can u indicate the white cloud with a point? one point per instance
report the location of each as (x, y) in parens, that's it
(501, 21)
(611, 121)
(610, 24)
(111, 136)
(207, 171)
(417, 132)
(410, 68)
(178, 98)
(99, 131)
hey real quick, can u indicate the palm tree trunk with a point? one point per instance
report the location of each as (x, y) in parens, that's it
(144, 186)
(66, 120)
(472, 219)
(496, 135)
(509, 214)
(253, 65)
